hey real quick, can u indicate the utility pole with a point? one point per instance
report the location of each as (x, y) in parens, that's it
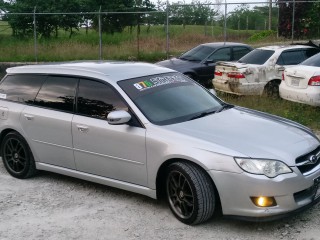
(270, 14)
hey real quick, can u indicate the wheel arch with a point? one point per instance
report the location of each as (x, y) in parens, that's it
(4, 133)
(269, 83)
(161, 174)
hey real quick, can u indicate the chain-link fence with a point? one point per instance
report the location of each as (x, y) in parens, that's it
(159, 34)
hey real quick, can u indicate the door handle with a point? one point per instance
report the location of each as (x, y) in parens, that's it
(82, 128)
(28, 117)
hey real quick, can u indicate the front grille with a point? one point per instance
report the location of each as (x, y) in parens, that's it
(303, 163)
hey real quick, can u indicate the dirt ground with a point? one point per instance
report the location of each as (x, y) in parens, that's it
(52, 206)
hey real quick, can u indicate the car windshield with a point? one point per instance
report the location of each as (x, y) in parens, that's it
(257, 56)
(313, 61)
(197, 54)
(170, 98)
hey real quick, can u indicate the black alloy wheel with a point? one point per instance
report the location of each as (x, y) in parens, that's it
(190, 193)
(17, 157)
(180, 195)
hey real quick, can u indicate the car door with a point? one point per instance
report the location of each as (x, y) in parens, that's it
(113, 151)
(206, 72)
(47, 121)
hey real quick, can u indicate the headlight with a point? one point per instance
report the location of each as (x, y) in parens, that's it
(269, 168)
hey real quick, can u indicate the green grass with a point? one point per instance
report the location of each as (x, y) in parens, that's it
(149, 46)
(304, 114)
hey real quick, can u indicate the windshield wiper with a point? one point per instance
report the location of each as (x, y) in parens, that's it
(203, 114)
(224, 107)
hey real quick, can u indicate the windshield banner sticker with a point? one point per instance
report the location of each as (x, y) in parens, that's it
(159, 81)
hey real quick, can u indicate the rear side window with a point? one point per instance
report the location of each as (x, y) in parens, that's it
(223, 54)
(97, 100)
(239, 52)
(21, 88)
(291, 57)
(57, 93)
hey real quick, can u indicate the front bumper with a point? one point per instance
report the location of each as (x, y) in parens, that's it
(309, 95)
(293, 192)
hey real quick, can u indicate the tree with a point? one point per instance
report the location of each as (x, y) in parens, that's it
(196, 13)
(301, 12)
(243, 18)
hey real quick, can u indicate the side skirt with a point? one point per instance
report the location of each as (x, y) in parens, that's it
(98, 179)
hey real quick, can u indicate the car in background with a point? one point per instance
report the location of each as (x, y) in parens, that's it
(156, 132)
(260, 71)
(301, 83)
(199, 63)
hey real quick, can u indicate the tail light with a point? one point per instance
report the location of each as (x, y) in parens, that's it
(282, 76)
(314, 81)
(218, 74)
(236, 75)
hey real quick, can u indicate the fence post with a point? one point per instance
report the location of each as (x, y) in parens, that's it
(167, 31)
(100, 36)
(35, 35)
(225, 21)
(292, 25)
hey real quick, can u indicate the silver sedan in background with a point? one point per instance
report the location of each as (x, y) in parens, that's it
(154, 131)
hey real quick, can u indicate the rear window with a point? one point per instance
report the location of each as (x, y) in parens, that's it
(313, 61)
(21, 88)
(257, 56)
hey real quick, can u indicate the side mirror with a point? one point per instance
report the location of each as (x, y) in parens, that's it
(209, 61)
(118, 117)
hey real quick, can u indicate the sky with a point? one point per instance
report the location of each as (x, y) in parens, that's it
(232, 4)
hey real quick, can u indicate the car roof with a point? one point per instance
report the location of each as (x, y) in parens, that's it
(283, 47)
(111, 70)
(222, 44)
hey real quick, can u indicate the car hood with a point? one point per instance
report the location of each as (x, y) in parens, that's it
(178, 64)
(249, 133)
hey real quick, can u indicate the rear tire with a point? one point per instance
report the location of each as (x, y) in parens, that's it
(190, 193)
(272, 89)
(17, 156)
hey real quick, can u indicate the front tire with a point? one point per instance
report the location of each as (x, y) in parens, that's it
(190, 193)
(17, 157)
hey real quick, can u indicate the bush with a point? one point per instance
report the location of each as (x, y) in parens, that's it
(262, 36)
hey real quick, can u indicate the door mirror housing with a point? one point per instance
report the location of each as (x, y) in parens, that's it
(118, 117)
(209, 61)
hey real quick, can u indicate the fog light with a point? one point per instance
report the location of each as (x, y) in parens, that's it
(264, 201)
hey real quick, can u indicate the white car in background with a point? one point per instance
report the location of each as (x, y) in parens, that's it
(301, 83)
(260, 71)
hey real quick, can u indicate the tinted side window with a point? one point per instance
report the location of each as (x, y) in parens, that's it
(223, 54)
(312, 61)
(311, 51)
(291, 57)
(257, 56)
(57, 93)
(21, 88)
(97, 100)
(239, 52)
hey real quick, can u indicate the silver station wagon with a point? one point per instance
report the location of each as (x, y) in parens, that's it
(153, 131)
